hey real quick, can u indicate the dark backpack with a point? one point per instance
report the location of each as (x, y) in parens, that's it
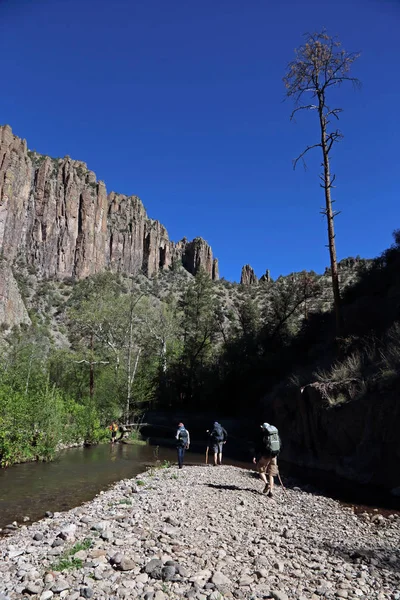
(272, 441)
(217, 434)
(183, 437)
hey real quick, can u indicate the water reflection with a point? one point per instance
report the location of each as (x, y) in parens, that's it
(76, 476)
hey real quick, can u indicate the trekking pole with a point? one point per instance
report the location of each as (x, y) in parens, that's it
(207, 455)
(283, 487)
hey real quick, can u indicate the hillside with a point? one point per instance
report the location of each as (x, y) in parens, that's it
(103, 317)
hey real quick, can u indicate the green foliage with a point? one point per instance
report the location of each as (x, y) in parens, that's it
(189, 343)
(136, 438)
(68, 561)
(36, 415)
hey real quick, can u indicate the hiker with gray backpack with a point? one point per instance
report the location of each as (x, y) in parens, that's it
(267, 448)
(217, 438)
(182, 442)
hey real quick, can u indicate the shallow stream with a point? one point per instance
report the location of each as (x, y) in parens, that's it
(78, 474)
(74, 477)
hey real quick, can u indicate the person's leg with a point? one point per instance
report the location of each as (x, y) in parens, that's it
(181, 454)
(272, 471)
(215, 451)
(263, 470)
(220, 453)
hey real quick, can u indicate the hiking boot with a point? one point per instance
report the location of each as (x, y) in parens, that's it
(266, 490)
(270, 494)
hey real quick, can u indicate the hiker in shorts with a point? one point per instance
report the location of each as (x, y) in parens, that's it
(217, 438)
(267, 448)
(182, 443)
(114, 431)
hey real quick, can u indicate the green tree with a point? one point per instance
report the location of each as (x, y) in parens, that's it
(199, 332)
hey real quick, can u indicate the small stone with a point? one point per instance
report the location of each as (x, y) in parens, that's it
(86, 520)
(87, 592)
(38, 536)
(168, 572)
(153, 568)
(279, 566)
(68, 533)
(46, 595)
(182, 571)
(220, 580)
(81, 555)
(126, 564)
(33, 588)
(114, 560)
(49, 514)
(97, 552)
(60, 586)
(278, 595)
(261, 573)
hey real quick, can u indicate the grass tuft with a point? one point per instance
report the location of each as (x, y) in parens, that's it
(67, 560)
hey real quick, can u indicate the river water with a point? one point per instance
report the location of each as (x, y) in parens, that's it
(74, 477)
(78, 474)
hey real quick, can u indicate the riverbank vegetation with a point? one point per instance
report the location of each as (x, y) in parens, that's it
(178, 342)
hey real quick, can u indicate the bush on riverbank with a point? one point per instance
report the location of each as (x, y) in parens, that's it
(36, 417)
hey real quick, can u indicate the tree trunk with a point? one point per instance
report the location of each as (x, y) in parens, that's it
(91, 370)
(128, 395)
(330, 216)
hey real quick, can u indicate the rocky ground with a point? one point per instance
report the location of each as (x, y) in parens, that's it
(203, 533)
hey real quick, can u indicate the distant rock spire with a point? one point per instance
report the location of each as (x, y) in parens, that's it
(248, 276)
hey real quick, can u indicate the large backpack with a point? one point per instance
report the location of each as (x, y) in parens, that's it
(217, 434)
(272, 441)
(183, 437)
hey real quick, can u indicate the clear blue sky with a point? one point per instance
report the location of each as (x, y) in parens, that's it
(180, 102)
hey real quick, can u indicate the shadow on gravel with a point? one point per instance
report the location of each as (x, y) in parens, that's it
(233, 488)
(382, 558)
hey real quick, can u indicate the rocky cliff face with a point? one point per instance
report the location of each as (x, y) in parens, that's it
(248, 277)
(58, 218)
(12, 308)
(352, 439)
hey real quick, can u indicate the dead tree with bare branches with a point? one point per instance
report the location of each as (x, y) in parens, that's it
(320, 65)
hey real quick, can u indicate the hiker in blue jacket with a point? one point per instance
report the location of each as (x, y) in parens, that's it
(218, 437)
(182, 443)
